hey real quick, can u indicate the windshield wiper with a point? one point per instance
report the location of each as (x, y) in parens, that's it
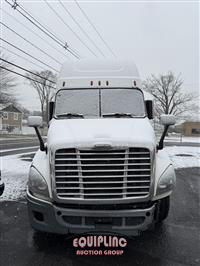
(118, 115)
(70, 115)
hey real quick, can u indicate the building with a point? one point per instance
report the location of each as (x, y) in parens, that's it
(189, 128)
(10, 119)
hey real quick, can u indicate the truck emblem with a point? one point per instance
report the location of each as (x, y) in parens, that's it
(102, 147)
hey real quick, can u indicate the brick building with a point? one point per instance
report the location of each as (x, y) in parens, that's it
(10, 119)
(189, 128)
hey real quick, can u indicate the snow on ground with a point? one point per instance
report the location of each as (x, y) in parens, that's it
(179, 138)
(183, 157)
(14, 174)
(15, 171)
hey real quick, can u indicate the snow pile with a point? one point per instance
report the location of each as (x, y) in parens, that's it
(14, 174)
(183, 157)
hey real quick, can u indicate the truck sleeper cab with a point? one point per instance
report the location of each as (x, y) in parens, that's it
(101, 168)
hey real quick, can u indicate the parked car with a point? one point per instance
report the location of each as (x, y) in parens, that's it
(1, 185)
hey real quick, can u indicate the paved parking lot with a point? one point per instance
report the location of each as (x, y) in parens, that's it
(173, 244)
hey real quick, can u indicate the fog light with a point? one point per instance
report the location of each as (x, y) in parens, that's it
(38, 216)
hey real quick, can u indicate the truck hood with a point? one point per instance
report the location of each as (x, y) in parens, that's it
(126, 132)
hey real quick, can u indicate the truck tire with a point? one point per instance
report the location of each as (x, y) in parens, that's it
(163, 209)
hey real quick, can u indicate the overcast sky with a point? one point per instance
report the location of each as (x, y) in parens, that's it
(158, 35)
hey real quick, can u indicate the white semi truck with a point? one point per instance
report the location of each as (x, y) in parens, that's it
(101, 168)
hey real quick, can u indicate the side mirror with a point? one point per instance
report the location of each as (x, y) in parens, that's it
(149, 108)
(167, 120)
(34, 121)
(51, 109)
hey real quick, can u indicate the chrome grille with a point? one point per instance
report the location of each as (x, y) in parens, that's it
(102, 174)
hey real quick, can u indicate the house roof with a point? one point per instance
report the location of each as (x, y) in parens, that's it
(2, 106)
(9, 108)
(186, 122)
(192, 121)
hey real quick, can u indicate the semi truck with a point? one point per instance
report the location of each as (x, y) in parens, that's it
(101, 168)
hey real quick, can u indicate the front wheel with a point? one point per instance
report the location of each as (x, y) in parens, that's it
(163, 209)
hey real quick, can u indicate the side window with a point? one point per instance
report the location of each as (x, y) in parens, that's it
(195, 130)
(4, 127)
(15, 116)
(5, 115)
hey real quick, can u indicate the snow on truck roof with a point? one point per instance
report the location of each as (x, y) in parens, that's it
(99, 68)
(100, 73)
(72, 73)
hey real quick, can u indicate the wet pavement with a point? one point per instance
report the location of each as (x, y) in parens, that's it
(18, 146)
(175, 243)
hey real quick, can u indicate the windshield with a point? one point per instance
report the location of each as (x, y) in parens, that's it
(92, 103)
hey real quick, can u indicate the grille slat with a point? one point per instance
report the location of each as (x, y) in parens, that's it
(97, 188)
(99, 182)
(101, 194)
(103, 159)
(88, 165)
(103, 153)
(104, 170)
(102, 174)
(105, 176)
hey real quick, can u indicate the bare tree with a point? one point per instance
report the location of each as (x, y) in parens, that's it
(7, 82)
(169, 96)
(45, 87)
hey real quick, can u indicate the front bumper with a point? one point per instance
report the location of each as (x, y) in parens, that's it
(1, 188)
(48, 217)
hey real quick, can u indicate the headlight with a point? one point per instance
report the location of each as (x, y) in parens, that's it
(167, 181)
(37, 185)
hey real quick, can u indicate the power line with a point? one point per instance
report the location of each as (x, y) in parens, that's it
(63, 21)
(81, 28)
(90, 22)
(46, 31)
(20, 56)
(35, 46)
(22, 68)
(33, 32)
(25, 76)
(72, 51)
(14, 46)
(41, 27)
(34, 19)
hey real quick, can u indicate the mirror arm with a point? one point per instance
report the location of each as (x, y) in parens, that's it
(161, 142)
(42, 146)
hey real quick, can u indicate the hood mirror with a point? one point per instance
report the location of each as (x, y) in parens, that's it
(36, 121)
(167, 120)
